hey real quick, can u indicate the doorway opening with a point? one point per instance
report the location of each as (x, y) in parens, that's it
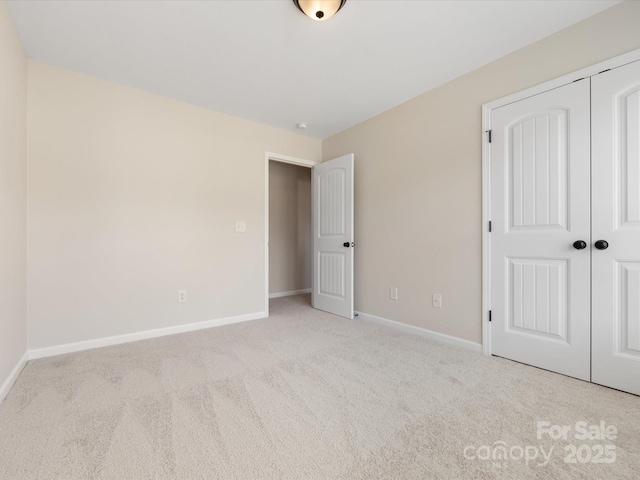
(289, 229)
(288, 248)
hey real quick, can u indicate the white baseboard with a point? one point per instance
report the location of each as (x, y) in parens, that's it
(132, 337)
(287, 294)
(13, 376)
(423, 332)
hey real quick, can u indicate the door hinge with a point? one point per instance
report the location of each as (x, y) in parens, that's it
(489, 315)
(489, 226)
(489, 134)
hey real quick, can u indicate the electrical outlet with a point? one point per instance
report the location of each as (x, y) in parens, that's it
(241, 227)
(437, 300)
(182, 296)
(393, 293)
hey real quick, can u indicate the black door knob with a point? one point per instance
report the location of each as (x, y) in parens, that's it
(579, 244)
(602, 244)
(346, 244)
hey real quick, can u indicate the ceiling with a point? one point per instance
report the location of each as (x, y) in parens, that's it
(263, 60)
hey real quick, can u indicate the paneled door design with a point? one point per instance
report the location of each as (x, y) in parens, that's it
(540, 212)
(615, 101)
(333, 240)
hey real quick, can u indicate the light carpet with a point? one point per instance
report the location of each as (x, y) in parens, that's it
(304, 394)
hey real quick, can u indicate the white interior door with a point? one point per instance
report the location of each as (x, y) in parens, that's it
(540, 206)
(616, 220)
(333, 240)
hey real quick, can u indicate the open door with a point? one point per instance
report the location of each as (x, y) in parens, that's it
(333, 240)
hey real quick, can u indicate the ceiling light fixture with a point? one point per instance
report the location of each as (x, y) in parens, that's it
(302, 125)
(319, 9)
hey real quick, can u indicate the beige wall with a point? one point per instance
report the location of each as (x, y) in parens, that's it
(289, 227)
(132, 197)
(418, 178)
(13, 144)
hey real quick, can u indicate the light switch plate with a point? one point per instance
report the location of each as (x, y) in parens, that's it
(437, 300)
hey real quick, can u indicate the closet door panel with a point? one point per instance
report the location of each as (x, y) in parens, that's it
(616, 220)
(540, 282)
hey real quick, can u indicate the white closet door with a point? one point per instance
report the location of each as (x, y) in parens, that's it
(616, 220)
(333, 236)
(540, 282)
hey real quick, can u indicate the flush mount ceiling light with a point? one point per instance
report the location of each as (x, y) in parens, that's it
(319, 9)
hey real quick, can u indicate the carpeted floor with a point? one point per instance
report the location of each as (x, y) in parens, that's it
(304, 394)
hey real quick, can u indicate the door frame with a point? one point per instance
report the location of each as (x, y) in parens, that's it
(275, 157)
(614, 62)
